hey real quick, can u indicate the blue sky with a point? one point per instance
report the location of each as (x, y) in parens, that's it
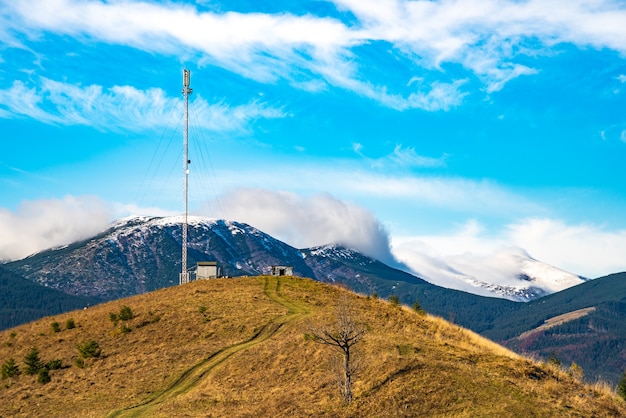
(414, 130)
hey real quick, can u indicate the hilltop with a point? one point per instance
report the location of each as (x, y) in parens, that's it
(237, 347)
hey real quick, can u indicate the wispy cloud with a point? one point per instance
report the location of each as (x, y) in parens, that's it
(121, 107)
(486, 38)
(394, 186)
(401, 157)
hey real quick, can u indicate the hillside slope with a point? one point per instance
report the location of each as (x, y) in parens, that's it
(22, 300)
(237, 347)
(596, 341)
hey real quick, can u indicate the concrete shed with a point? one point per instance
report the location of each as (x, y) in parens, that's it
(207, 270)
(282, 271)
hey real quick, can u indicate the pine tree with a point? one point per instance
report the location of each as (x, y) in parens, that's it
(33, 362)
(621, 388)
(10, 369)
(418, 308)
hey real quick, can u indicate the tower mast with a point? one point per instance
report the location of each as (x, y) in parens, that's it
(184, 275)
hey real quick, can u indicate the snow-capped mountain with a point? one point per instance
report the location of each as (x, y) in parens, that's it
(141, 254)
(510, 274)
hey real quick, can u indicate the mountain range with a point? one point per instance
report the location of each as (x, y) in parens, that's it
(139, 255)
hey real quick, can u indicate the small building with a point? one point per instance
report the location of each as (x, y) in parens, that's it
(282, 271)
(207, 270)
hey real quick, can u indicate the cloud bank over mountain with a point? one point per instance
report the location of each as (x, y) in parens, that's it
(309, 221)
(38, 225)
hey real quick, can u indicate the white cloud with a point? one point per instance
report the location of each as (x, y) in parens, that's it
(485, 37)
(309, 221)
(587, 250)
(121, 107)
(42, 224)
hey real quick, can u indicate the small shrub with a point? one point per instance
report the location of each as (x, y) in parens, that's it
(56, 327)
(43, 376)
(33, 362)
(70, 324)
(54, 364)
(126, 314)
(113, 318)
(124, 329)
(10, 369)
(394, 300)
(89, 349)
(374, 295)
(80, 363)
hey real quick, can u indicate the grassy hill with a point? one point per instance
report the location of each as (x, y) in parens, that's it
(237, 347)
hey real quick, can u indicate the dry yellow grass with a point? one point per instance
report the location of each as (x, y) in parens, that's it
(236, 347)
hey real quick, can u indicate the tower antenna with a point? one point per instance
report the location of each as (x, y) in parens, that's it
(184, 275)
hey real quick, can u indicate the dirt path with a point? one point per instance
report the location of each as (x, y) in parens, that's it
(191, 377)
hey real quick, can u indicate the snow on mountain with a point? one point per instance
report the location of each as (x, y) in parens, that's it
(510, 274)
(140, 254)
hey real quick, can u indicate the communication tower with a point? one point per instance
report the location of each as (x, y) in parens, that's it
(184, 275)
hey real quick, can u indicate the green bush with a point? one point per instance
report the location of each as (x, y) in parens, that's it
(80, 363)
(56, 327)
(394, 300)
(126, 314)
(10, 369)
(113, 318)
(54, 364)
(33, 362)
(89, 349)
(43, 377)
(70, 324)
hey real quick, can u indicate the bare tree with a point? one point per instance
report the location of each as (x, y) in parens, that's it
(343, 336)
